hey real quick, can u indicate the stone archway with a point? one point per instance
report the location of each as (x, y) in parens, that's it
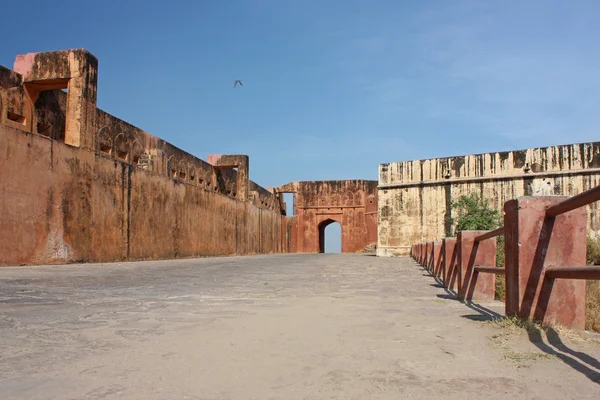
(321, 227)
(351, 203)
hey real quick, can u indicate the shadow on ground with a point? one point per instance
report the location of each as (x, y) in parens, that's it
(548, 340)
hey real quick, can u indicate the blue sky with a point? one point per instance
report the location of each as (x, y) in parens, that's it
(332, 88)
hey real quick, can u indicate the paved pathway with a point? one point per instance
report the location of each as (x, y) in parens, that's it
(269, 327)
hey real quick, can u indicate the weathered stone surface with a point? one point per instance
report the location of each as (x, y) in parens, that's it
(415, 196)
(75, 70)
(241, 163)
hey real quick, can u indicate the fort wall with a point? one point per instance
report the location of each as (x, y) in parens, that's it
(415, 197)
(78, 184)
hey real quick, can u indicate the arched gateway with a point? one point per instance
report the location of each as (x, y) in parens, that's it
(317, 204)
(322, 225)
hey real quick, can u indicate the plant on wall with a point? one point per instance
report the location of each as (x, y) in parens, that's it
(473, 213)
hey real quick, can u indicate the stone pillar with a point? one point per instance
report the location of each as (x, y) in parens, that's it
(74, 70)
(429, 256)
(239, 161)
(449, 263)
(437, 258)
(471, 285)
(534, 242)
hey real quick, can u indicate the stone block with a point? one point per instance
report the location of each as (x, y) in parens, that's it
(534, 242)
(472, 285)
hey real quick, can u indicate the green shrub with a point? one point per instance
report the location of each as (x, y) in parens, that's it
(474, 214)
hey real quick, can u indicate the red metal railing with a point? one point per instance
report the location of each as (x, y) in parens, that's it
(572, 203)
(589, 273)
(490, 234)
(491, 270)
(485, 236)
(531, 222)
(582, 199)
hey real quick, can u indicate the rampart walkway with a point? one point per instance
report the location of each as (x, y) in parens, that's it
(269, 327)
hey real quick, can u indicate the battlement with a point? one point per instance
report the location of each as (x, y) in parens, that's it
(78, 184)
(54, 94)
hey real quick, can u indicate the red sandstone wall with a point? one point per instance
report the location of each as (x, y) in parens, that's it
(78, 184)
(63, 204)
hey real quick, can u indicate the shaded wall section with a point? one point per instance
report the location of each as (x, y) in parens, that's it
(415, 196)
(351, 203)
(85, 186)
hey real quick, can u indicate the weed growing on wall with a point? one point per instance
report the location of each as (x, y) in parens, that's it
(474, 214)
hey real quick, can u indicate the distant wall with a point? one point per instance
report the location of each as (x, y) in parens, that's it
(85, 186)
(415, 196)
(351, 203)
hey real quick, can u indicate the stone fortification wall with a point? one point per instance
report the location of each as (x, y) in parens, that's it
(415, 196)
(78, 184)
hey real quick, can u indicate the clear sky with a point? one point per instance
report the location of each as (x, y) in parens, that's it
(333, 88)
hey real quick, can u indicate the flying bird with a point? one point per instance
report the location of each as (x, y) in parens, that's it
(236, 82)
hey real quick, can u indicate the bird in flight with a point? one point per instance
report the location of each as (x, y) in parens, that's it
(236, 82)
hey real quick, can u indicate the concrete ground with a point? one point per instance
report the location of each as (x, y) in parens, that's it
(270, 327)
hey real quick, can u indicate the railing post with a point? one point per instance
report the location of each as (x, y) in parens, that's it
(533, 242)
(431, 261)
(472, 285)
(449, 263)
(437, 258)
(427, 255)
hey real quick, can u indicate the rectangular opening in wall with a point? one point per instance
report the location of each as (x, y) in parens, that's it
(122, 155)
(290, 202)
(182, 175)
(15, 117)
(136, 159)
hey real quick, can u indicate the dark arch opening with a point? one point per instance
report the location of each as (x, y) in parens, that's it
(332, 244)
